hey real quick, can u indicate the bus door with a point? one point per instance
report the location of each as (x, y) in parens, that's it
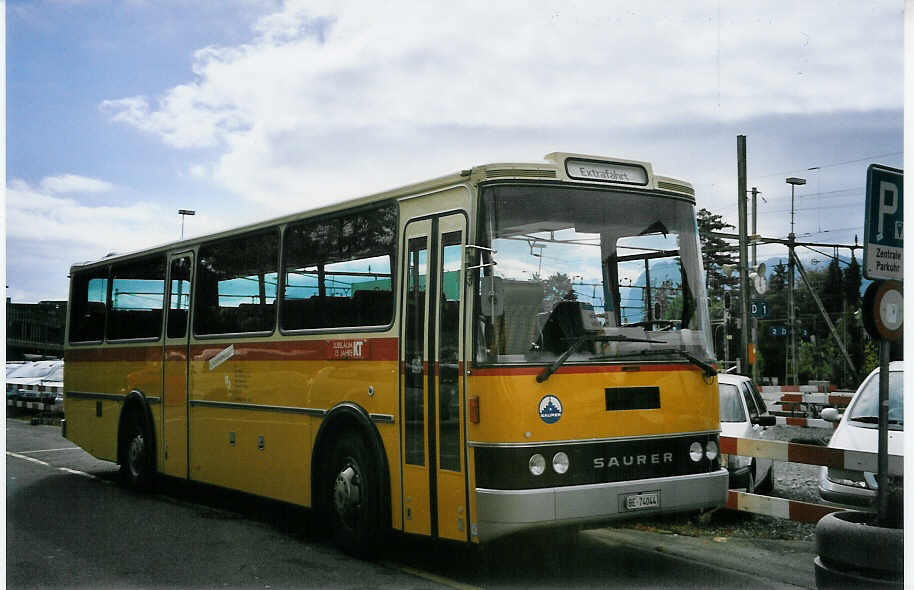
(434, 498)
(175, 363)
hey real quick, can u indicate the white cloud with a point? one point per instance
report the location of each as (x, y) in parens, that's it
(91, 230)
(72, 183)
(330, 100)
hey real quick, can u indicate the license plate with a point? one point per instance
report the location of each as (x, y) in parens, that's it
(642, 501)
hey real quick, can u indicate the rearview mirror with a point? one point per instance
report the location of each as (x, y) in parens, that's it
(830, 415)
(765, 420)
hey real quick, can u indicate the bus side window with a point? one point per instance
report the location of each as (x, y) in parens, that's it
(236, 284)
(338, 271)
(137, 296)
(87, 307)
(179, 302)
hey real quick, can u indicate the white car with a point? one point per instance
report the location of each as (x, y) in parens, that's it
(743, 415)
(858, 430)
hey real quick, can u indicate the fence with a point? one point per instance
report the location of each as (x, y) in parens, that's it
(797, 453)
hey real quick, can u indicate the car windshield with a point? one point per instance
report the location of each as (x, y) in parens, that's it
(731, 406)
(611, 274)
(865, 409)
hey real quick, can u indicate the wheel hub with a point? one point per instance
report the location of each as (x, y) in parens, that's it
(135, 453)
(346, 492)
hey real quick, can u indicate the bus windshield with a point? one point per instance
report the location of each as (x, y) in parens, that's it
(588, 275)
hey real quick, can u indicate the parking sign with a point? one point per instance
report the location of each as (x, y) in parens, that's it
(883, 235)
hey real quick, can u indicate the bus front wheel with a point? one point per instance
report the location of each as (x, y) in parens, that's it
(353, 498)
(137, 470)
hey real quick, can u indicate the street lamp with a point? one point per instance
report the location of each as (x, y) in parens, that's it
(182, 213)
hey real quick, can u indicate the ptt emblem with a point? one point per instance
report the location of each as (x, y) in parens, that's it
(550, 409)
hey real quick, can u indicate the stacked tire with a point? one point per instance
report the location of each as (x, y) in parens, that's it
(853, 551)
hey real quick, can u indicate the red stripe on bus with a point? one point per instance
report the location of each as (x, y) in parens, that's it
(370, 349)
(363, 349)
(128, 354)
(574, 369)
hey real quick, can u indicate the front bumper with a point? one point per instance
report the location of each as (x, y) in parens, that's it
(850, 496)
(502, 512)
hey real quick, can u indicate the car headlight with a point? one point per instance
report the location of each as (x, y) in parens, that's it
(537, 464)
(846, 477)
(696, 452)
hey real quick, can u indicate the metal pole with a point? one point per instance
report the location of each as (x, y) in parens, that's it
(791, 314)
(743, 248)
(754, 265)
(792, 187)
(882, 494)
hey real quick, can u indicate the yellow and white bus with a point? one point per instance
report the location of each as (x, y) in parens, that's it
(513, 346)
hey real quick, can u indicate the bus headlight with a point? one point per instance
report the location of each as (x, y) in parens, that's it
(696, 452)
(537, 464)
(560, 462)
(711, 450)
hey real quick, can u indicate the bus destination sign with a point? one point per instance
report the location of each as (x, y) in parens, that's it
(606, 171)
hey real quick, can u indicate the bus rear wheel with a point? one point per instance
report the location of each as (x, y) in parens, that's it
(137, 469)
(353, 496)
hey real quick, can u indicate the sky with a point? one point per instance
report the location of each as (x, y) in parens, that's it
(119, 113)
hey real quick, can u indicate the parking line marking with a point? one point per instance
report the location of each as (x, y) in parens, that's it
(82, 473)
(64, 469)
(23, 457)
(49, 450)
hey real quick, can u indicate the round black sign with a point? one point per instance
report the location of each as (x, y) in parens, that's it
(883, 310)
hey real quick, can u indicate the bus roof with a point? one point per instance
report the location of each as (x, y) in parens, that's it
(554, 167)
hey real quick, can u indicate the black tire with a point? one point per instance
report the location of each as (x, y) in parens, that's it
(137, 456)
(750, 481)
(353, 496)
(767, 486)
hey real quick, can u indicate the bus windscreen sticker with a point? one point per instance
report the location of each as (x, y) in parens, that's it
(550, 409)
(223, 356)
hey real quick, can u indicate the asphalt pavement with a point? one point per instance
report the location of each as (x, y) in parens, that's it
(69, 524)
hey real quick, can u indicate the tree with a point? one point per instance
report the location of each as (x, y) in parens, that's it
(715, 252)
(832, 293)
(557, 287)
(852, 282)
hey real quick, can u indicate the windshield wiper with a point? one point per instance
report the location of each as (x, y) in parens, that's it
(706, 368)
(552, 368)
(874, 420)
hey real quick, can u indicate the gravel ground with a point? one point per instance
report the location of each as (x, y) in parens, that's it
(794, 481)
